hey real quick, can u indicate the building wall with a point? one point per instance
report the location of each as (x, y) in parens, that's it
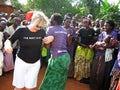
(6, 8)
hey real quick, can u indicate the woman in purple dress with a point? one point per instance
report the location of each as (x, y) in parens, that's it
(104, 58)
(70, 47)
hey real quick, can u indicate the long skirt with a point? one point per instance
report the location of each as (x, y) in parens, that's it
(100, 73)
(56, 73)
(83, 58)
(107, 77)
(97, 73)
(71, 68)
(8, 62)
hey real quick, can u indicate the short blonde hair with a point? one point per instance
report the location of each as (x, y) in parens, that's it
(39, 17)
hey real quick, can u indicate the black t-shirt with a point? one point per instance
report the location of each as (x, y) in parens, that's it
(86, 36)
(30, 44)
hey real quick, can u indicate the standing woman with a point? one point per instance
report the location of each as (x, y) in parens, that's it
(104, 58)
(84, 54)
(58, 65)
(71, 31)
(11, 29)
(110, 55)
(27, 63)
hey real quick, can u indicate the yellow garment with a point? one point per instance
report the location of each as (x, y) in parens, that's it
(44, 51)
(87, 53)
(83, 58)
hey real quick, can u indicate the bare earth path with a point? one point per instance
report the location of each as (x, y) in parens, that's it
(6, 82)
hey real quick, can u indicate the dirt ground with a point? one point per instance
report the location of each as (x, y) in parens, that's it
(6, 82)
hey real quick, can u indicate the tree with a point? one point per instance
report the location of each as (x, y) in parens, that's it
(51, 6)
(88, 7)
(16, 4)
(110, 11)
(99, 8)
(3, 1)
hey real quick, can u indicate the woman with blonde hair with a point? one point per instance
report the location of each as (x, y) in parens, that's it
(27, 63)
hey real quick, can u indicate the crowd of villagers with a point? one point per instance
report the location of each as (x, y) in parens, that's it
(94, 47)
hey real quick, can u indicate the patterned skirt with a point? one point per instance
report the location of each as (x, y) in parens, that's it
(115, 80)
(83, 58)
(56, 73)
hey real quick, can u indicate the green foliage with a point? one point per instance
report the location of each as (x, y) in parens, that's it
(16, 4)
(110, 12)
(52, 6)
(49, 6)
(99, 8)
(88, 7)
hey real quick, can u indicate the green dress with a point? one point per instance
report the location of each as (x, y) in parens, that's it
(56, 73)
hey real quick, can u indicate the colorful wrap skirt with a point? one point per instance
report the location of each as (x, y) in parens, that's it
(56, 73)
(115, 80)
(83, 58)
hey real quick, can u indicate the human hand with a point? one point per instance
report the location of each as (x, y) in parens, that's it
(48, 39)
(113, 41)
(7, 47)
(107, 39)
(9, 50)
(91, 46)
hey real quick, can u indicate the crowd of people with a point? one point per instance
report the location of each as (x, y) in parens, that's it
(85, 49)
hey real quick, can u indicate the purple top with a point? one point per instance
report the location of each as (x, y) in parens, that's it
(71, 46)
(58, 46)
(102, 36)
(114, 34)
